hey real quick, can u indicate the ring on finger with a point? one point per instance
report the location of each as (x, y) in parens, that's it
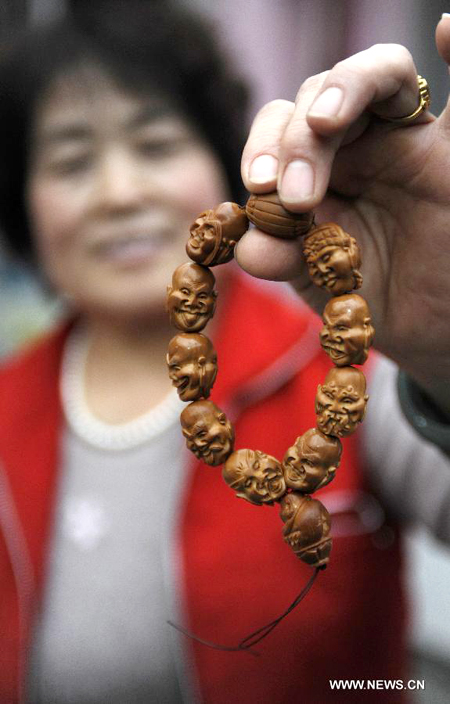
(424, 104)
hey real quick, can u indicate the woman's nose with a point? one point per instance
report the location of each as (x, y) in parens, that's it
(119, 183)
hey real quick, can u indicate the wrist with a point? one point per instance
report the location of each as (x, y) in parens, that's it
(428, 411)
(438, 394)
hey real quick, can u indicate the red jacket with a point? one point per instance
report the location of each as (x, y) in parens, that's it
(239, 574)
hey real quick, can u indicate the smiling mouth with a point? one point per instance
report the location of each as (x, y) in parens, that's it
(334, 352)
(195, 242)
(295, 475)
(130, 247)
(276, 486)
(190, 317)
(216, 453)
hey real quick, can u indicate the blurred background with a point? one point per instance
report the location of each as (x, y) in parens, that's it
(275, 46)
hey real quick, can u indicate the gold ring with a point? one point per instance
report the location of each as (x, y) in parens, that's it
(424, 104)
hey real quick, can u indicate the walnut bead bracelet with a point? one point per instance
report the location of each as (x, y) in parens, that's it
(333, 260)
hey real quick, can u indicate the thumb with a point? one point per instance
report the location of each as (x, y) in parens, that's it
(267, 257)
(443, 47)
(443, 37)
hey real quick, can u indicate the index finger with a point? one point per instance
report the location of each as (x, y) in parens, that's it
(260, 158)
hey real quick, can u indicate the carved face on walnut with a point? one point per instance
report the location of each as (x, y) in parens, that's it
(347, 332)
(312, 461)
(208, 432)
(192, 362)
(333, 259)
(215, 233)
(341, 401)
(254, 476)
(191, 299)
(307, 528)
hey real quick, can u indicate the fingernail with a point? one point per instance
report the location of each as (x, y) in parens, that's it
(328, 103)
(298, 181)
(262, 169)
(445, 16)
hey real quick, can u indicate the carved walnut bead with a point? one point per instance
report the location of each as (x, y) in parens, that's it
(208, 432)
(306, 528)
(255, 476)
(347, 333)
(215, 233)
(341, 401)
(192, 363)
(191, 298)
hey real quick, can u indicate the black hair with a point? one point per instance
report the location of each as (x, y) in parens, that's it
(139, 43)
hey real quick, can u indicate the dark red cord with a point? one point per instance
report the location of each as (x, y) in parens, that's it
(249, 641)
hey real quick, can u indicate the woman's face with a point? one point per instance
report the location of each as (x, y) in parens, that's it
(114, 183)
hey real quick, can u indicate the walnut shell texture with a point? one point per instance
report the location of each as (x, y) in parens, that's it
(269, 215)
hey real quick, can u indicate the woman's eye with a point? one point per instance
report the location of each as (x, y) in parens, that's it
(156, 149)
(70, 166)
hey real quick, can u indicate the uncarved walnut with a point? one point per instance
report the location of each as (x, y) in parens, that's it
(269, 215)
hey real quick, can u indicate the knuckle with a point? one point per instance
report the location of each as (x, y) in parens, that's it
(296, 138)
(311, 85)
(267, 128)
(274, 107)
(397, 58)
(391, 57)
(367, 67)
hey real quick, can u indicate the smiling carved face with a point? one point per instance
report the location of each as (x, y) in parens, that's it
(312, 461)
(192, 362)
(208, 432)
(214, 234)
(347, 333)
(333, 259)
(254, 476)
(191, 299)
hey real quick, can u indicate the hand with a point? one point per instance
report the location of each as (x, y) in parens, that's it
(387, 185)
